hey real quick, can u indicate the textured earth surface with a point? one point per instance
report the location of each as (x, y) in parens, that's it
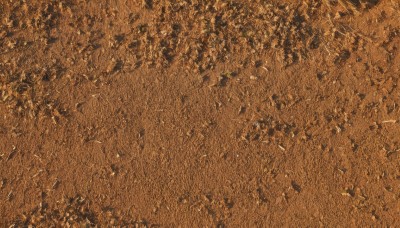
(219, 113)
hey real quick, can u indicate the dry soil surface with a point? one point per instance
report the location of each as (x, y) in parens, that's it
(191, 113)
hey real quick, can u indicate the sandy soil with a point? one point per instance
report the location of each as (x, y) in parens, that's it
(190, 113)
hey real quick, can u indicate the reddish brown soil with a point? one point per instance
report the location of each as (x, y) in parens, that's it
(199, 113)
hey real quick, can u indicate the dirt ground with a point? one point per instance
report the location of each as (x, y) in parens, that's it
(191, 113)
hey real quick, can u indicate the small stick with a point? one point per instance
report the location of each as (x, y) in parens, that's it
(389, 121)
